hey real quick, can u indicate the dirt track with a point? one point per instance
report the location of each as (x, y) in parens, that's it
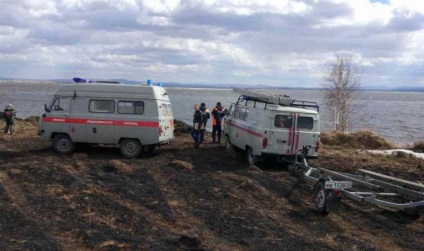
(176, 198)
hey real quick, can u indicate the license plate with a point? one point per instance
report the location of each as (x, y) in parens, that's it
(338, 185)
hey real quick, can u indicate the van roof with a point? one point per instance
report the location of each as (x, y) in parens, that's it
(102, 90)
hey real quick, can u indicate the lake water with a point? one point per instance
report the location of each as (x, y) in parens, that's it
(397, 116)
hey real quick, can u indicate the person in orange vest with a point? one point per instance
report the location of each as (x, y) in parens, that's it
(217, 115)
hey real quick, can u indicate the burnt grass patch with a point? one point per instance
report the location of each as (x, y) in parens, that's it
(98, 200)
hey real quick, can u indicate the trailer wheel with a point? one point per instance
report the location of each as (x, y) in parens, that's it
(321, 197)
(130, 148)
(251, 158)
(62, 143)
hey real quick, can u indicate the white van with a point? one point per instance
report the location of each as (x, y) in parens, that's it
(271, 127)
(134, 117)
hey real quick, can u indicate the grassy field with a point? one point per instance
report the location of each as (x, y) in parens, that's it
(180, 198)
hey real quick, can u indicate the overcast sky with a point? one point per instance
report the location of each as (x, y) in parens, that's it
(273, 42)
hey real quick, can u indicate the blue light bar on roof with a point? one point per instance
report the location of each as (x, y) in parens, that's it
(81, 80)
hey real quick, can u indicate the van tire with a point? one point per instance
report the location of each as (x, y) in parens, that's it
(62, 143)
(251, 158)
(130, 148)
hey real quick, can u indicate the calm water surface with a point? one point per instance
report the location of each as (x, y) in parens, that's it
(398, 117)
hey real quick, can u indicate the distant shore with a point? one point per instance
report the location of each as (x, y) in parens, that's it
(213, 86)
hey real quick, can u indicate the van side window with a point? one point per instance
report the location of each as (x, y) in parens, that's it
(101, 106)
(169, 109)
(236, 111)
(305, 123)
(61, 104)
(243, 113)
(283, 121)
(164, 109)
(131, 107)
(231, 111)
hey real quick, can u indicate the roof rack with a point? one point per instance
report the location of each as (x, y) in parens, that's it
(284, 100)
(268, 98)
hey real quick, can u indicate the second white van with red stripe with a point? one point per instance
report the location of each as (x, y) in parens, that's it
(133, 117)
(272, 127)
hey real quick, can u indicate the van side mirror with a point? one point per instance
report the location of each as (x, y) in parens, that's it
(46, 108)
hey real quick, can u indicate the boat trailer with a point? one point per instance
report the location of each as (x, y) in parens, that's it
(367, 187)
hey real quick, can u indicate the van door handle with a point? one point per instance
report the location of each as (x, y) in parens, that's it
(281, 141)
(94, 130)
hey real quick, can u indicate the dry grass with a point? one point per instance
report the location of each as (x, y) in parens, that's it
(180, 127)
(98, 200)
(119, 166)
(364, 139)
(418, 147)
(182, 164)
(347, 152)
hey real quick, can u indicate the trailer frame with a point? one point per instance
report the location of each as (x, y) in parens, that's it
(367, 187)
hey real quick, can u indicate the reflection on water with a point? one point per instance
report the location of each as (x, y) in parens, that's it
(396, 116)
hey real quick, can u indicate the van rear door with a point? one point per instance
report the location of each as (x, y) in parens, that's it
(307, 132)
(283, 134)
(167, 120)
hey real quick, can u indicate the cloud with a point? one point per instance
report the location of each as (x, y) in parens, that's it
(211, 41)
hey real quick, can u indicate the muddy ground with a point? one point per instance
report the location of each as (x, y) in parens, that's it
(180, 198)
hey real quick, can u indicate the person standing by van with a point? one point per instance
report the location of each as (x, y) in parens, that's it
(205, 117)
(217, 115)
(197, 121)
(9, 115)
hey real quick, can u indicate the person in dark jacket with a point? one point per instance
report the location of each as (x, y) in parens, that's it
(205, 116)
(217, 115)
(9, 115)
(197, 122)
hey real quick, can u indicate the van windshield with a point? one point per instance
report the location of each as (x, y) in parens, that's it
(61, 104)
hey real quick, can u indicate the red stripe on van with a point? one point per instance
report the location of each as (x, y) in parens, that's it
(244, 129)
(101, 122)
(289, 137)
(296, 145)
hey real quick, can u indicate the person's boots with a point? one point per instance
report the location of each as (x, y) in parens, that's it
(219, 140)
(213, 140)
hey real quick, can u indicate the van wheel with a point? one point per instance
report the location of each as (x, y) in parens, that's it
(130, 148)
(62, 143)
(251, 158)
